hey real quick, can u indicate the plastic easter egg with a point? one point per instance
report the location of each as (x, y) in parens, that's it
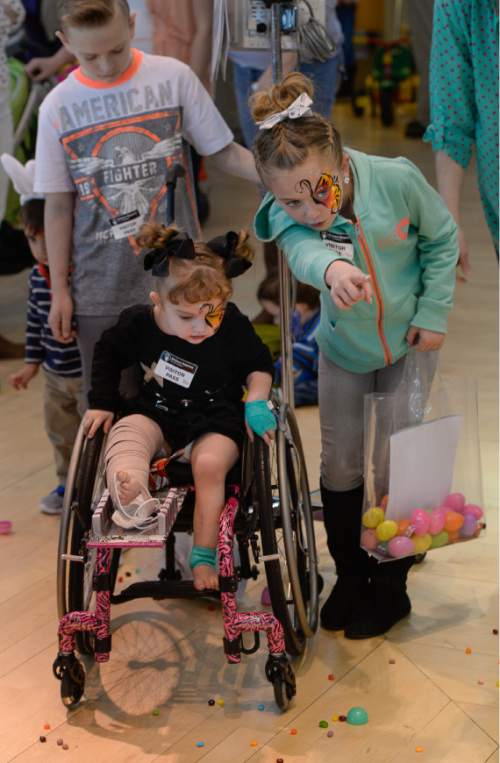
(455, 501)
(469, 526)
(441, 539)
(386, 530)
(373, 517)
(453, 521)
(471, 508)
(436, 523)
(401, 546)
(422, 543)
(369, 540)
(357, 716)
(403, 526)
(384, 502)
(454, 536)
(421, 520)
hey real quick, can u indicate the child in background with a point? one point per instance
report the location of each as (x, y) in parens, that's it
(63, 395)
(197, 352)
(305, 352)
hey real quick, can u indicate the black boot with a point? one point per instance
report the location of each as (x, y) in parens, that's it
(342, 519)
(388, 601)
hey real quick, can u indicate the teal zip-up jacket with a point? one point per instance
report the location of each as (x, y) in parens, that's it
(404, 238)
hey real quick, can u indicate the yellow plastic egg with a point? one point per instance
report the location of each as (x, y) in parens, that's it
(386, 530)
(422, 543)
(373, 517)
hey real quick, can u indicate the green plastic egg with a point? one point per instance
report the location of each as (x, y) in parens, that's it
(386, 530)
(441, 539)
(373, 517)
(422, 543)
(357, 716)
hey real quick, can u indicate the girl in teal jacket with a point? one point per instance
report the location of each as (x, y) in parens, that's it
(378, 242)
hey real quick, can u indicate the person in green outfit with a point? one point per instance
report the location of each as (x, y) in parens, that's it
(379, 244)
(464, 105)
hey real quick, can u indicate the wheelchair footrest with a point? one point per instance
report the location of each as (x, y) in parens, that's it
(161, 589)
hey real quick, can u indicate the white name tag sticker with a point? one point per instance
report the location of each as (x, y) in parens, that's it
(176, 370)
(126, 225)
(338, 243)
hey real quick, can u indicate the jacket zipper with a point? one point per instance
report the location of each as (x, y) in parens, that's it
(377, 293)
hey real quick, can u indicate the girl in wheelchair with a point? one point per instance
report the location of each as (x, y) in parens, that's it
(197, 352)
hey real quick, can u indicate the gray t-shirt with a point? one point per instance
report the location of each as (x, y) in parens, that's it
(112, 146)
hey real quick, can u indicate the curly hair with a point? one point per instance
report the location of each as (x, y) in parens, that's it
(200, 280)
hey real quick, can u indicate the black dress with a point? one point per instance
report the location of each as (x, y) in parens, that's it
(188, 389)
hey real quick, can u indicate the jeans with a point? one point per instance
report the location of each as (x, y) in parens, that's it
(325, 77)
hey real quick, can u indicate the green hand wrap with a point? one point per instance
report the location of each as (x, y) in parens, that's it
(259, 418)
(203, 555)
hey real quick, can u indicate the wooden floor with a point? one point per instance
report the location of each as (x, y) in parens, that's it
(419, 686)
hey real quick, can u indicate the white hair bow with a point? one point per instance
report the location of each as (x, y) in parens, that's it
(22, 176)
(299, 108)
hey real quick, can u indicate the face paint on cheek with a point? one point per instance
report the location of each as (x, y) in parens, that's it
(327, 192)
(214, 315)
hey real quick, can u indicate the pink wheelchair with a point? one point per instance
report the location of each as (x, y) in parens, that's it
(267, 515)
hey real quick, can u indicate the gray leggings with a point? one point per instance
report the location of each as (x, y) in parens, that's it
(341, 411)
(89, 329)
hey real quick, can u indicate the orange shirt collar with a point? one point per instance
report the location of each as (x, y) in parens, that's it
(129, 72)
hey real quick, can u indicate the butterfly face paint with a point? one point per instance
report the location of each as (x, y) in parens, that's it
(214, 315)
(327, 191)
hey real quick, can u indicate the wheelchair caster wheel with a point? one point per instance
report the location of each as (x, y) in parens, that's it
(280, 673)
(69, 671)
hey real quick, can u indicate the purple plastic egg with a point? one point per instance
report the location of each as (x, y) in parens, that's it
(401, 546)
(437, 520)
(369, 540)
(455, 502)
(420, 521)
(469, 526)
(472, 509)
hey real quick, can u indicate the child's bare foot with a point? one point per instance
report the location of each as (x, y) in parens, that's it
(204, 577)
(127, 488)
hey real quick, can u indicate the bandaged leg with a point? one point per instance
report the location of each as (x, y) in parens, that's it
(132, 443)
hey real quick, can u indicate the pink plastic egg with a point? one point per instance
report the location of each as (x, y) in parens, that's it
(421, 521)
(436, 521)
(455, 502)
(475, 511)
(469, 526)
(369, 540)
(401, 546)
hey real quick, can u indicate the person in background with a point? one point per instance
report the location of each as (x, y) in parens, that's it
(420, 20)
(62, 369)
(305, 321)
(464, 106)
(346, 14)
(11, 16)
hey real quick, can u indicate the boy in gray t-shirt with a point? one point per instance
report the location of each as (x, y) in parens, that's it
(107, 136)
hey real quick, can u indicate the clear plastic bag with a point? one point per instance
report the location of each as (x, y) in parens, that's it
(421, 463)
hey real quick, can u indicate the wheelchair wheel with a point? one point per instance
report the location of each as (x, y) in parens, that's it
(287, 532)
(84, 487)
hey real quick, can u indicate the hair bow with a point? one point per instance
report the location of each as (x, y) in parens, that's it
(225, 247)
(179, 245)
(299, 108)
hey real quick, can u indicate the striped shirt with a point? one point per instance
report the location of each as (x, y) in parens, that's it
(41, 347)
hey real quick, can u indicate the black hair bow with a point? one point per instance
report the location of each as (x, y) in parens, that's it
(225, 246)
(179, 245)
